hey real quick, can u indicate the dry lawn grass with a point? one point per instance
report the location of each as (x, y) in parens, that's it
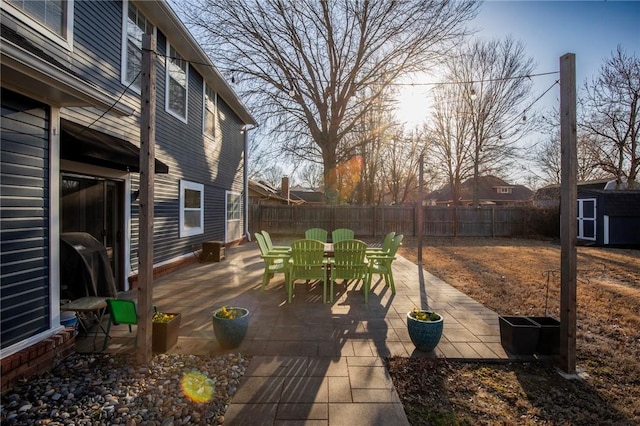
(510, 276)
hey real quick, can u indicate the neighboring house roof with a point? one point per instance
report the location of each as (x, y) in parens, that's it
(308, 195)
(491, 190)
(263, 191)
(161, 14)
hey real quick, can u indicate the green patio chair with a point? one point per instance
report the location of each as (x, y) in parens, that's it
(307, 263)
(316, 234)
(349, 263)
(386, 244)
(270, 247)
(274, 263)
(342, 234)
(121, 311)
(381, 263)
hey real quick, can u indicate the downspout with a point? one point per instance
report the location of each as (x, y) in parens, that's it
(245, 177)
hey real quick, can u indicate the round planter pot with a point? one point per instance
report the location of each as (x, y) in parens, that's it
(231, 332)
(425, 335)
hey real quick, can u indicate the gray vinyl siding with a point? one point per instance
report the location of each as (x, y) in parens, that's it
(217, 164)
(24, 219)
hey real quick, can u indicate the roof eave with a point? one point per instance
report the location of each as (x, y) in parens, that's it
(24, 72)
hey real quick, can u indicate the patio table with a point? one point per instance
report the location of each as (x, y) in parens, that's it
(88, 309)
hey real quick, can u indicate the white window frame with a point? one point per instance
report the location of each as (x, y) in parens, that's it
(505, 190)
(582, 219)
(174, 68)
(124, 63)
(211, 107)
(193, 186)
(65, 39)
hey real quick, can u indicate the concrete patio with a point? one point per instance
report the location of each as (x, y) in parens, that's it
(316, 363)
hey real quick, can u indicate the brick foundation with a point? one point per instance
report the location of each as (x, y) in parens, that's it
(36, 359)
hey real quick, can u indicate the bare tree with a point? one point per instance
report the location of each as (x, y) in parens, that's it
(303, 62)
(611, 120)
(449, 146)
(546, 155)
(481, 117)
(310, 176)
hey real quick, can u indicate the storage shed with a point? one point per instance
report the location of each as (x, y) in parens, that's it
(609, 217)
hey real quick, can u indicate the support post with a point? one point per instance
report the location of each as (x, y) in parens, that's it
(568, 213)
(147, 162)
(420, 209)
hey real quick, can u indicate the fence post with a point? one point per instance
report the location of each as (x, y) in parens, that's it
(493, 221)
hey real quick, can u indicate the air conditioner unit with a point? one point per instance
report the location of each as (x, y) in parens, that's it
(212, 251)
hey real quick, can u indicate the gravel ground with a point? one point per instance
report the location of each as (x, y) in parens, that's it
(103, 389)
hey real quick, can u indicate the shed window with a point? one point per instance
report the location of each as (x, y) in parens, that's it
(191, 208)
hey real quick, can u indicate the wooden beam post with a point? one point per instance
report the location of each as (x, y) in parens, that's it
(147, 162)
(420, 208)
(568, 213)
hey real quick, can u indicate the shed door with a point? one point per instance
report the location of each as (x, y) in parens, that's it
(587, 219)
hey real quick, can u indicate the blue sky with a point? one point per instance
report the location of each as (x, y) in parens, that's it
(549, 29)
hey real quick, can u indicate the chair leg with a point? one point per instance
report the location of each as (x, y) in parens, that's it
(290, 284)
(391, 283)
(106, 335)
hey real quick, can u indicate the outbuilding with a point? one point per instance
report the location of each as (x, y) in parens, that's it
(609, 217)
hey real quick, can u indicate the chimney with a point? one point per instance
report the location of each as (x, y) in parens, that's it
(284, 187)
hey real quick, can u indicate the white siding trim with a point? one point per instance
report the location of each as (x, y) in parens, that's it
(54, 216)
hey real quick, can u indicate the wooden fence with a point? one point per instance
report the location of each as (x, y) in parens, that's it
(376, 221)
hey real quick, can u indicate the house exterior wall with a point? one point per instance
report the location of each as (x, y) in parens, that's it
(91, 60)
(24, 174)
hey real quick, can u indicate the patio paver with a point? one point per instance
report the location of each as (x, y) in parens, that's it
(316, 363)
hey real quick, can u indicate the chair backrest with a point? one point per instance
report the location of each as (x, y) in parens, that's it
(342, 234)
(122, 311)
(261, 243)
(388, 239)
(316, 234)
(349, 252)
(307, 253)
(397, 241)
(267, 240)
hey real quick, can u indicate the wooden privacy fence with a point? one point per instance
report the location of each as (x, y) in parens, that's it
(376, 221)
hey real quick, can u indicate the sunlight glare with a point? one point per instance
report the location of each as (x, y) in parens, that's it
(197, 387)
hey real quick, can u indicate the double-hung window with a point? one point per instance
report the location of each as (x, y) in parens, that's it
(191, 208)
(135, 24)
(210, 105)
(234, 216)
(53, 18)
(176, 96)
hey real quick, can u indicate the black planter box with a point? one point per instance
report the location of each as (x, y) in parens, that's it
(549, 340)
(519, 335)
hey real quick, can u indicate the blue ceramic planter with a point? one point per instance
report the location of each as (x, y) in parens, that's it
(425, 335)
(231, 332)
